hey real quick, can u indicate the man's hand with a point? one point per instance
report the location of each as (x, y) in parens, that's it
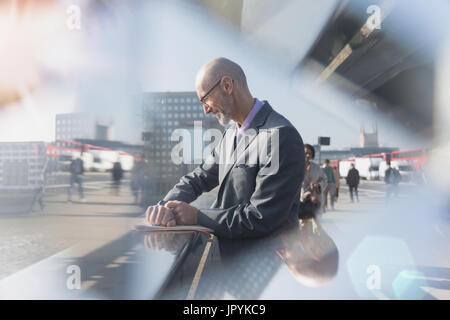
(160, 216)
(184, 213)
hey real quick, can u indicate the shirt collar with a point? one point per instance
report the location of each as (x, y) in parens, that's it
(248, 120)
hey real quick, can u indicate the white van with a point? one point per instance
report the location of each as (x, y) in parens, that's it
(368, 167)
(126, 161)
(104, 159)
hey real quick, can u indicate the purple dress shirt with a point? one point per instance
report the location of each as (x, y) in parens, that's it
(240, 131)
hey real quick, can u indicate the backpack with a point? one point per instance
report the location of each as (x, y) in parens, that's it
(397, 176)
(394, 176)
(76, 167)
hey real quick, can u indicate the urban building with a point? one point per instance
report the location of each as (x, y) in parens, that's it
(163, 113)
(368, 139)
(71, 126)
(321, 155)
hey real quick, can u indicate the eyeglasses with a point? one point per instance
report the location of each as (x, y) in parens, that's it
(202, 99)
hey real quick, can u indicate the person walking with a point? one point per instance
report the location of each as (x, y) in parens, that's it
(117, 174)
(76, 176)
(331, 186)
(391, 178)
(136, 175)
(337, 178)
(313, 185)
(353, 182)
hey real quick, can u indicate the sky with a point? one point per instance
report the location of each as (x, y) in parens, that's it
(162, 49)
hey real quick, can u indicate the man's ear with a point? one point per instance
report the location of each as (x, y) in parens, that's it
(228, 84)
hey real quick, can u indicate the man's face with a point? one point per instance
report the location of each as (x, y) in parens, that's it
(221, 110)
(218, 103)
(308, 154)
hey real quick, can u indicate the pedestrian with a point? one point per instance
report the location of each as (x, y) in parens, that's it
(313, 185)
(117, 174)
(391, 178)
(43, 176)
(353, 182)
(76, 169)
(135, 184)
(331, 185)
(337, 178)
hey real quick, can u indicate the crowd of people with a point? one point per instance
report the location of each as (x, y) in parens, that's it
(320, 188)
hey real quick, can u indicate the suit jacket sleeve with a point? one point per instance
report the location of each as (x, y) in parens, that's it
(203, 179)
(273, 198)
(323, 180)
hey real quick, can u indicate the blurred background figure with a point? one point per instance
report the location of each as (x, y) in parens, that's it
(117, 175)
(310, 254)
(331, 184)
(136, 183)
(353, 181)
(392, 178)
(337, 178)
(314, 183)
(76, 176)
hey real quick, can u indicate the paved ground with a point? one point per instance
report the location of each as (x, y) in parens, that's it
(30, 237)
(404, 233)
(26, 238)
(406, 239)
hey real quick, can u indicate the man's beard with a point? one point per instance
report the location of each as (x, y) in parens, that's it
(223, 118)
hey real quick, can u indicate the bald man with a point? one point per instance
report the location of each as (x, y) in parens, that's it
(259, 163)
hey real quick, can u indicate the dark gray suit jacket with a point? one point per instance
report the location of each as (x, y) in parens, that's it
(259, 181)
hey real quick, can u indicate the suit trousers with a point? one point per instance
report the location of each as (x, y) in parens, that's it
(331, 190)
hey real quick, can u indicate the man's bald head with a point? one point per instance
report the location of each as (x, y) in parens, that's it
(213, 70)
(222, 89)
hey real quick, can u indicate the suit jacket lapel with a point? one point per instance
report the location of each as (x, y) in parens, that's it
(227, 153)
(250, 134)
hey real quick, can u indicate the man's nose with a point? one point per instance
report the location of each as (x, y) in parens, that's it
(206, 109)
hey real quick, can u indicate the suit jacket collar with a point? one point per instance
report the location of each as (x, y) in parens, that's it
(261, 117)
(257, 122)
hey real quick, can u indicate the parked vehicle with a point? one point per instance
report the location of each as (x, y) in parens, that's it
(64, 151)
(103, 159)
(415, 157)
(368, 167)
(405, 168)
